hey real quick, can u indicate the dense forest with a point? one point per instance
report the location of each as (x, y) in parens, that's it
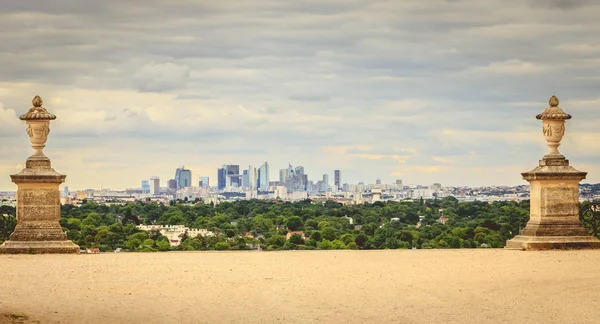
(250, 223)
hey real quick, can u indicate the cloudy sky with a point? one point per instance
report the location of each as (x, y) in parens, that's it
(424, 91)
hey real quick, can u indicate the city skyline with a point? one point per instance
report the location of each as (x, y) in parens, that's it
(420, 91)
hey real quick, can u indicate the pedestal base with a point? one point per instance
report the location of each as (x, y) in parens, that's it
(522, 242)
(38, 247)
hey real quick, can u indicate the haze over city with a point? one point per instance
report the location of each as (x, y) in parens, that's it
(436, 91)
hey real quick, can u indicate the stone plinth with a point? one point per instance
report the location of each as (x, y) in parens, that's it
(554, 212)
(554, 196)
(38, 197)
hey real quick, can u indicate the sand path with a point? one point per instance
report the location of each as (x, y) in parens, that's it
(394, 286)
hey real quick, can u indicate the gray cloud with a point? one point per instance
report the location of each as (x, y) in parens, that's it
(279, 81)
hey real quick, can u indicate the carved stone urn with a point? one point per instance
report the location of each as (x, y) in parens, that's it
(553, 121)
(38, 198)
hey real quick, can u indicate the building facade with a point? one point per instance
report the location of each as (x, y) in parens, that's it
(337, 179)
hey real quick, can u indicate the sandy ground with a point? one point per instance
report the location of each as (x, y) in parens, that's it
(394, 286)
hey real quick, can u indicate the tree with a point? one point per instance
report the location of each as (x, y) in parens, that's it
(590, 217)
(7, 226)
(316, 235)
(361, 239)
(338, 245)
(329, 233)
(221, 246)
(325, 245)
(347, 238)
(277, 241)
(296, 239)
(294, 223)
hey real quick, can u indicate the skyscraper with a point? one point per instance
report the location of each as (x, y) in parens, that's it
(284, 174)
(229, 176)
(325, 183)
(378, 181)
(222, 177)
(233, 175)
(252, 177)
(155, 185)
(172, 185)
(204, 182)
(183, 177)
(264, 177)
(145, 186)
(337, 179)
(245, 179)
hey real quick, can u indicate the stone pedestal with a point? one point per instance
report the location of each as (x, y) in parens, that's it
(554, 212)
(554, 196)
(38, 197)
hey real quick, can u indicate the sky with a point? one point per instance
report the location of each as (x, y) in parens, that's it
(423, 91)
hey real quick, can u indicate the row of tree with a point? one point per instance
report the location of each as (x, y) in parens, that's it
(249, 224)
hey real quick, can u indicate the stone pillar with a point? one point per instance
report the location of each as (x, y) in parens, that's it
(38, 198)
(554, 195)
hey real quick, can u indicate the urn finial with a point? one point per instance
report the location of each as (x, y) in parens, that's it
(553, 101)
(37, 101)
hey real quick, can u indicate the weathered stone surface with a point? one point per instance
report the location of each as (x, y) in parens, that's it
(38, 198)
(554, 196)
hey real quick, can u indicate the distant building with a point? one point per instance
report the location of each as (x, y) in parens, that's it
(222, 178)
(204, 182)
(337, 179)
(172, 185)
(283, 175)
(378, 181)
(263, 177)
(155, 185)
(183, 177)
(145, 186)
(245, 179)
(399, 183)
(252, 178)
(229, 176)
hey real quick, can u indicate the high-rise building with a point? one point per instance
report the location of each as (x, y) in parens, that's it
(172, 185)
(145, 186)
(245, 179)
(183, 177)
(155, 185)
(399, 183)
(299, 170)
(337, 179)
(378, 181)
(263, 177)
(233, 176)
(222, 178)
(283, 175)
(204, 182)
(252, 178)
(228, 176)
(66, 191)
(326, 179)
